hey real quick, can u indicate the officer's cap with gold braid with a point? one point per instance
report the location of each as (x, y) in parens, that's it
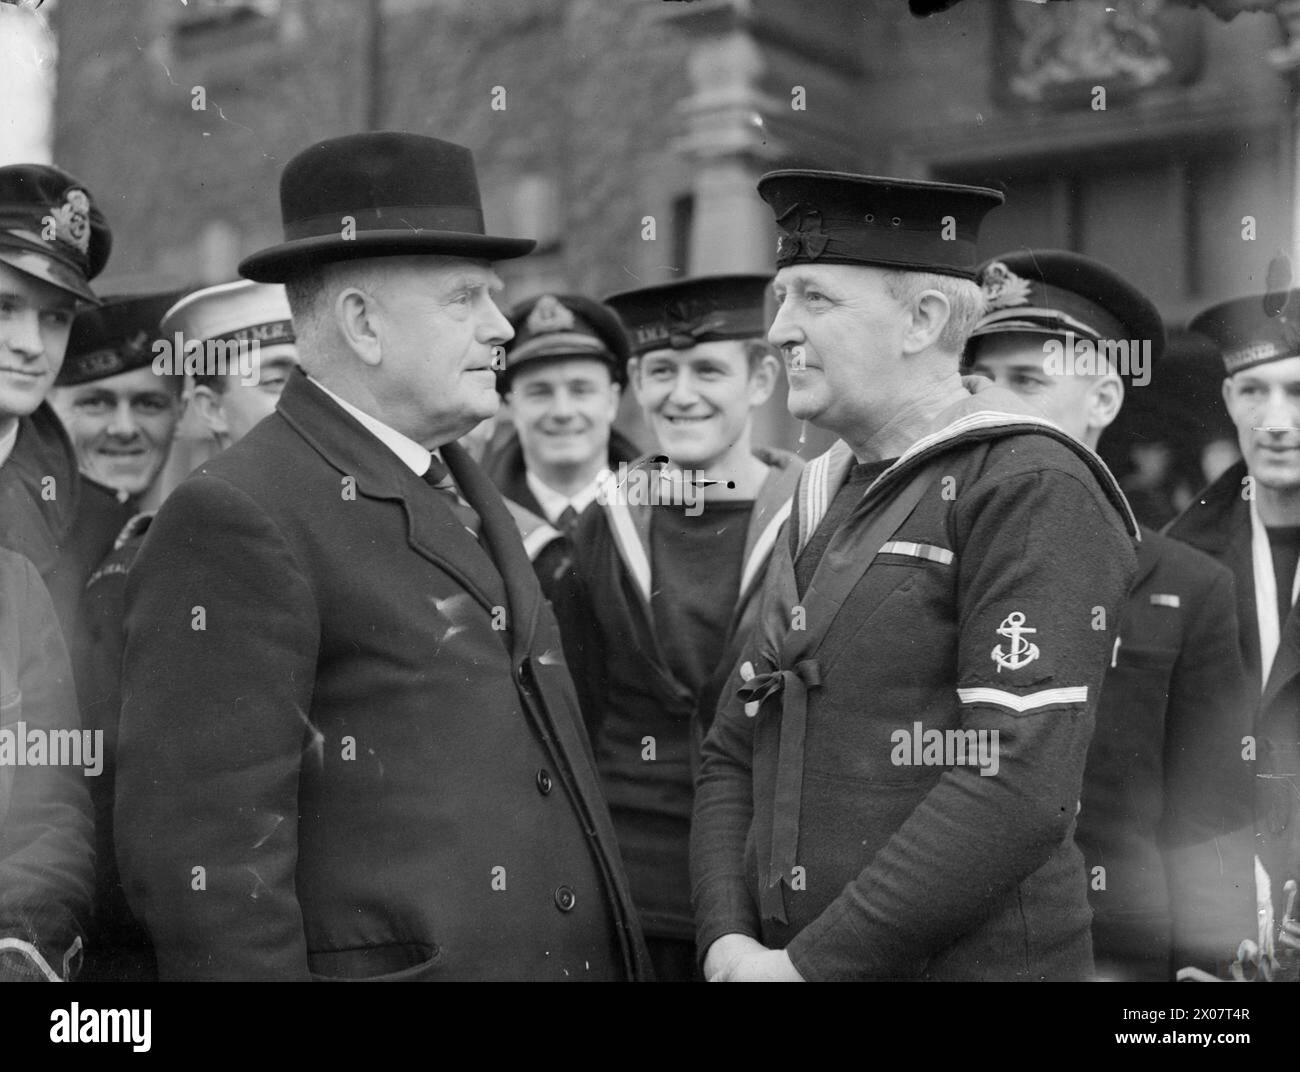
(1052, 291)
(832, 217)
(1247, 335)
(555, 326)
(679, 315)
(239, 312)
(118, 336)
(50, 229)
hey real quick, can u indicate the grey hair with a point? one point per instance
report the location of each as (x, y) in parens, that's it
(311, 290)
(965, 302)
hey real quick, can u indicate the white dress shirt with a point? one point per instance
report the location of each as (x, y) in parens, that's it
(553, 502)
(414, 457)
(7, 442)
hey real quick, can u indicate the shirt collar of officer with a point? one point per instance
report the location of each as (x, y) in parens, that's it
(7, 443)
(413, 456)
(553, 502)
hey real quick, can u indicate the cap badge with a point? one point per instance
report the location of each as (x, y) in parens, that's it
(135, 346)
(1003, 288)
(804, 237)
(688, 322)
(549, 315)
(72, 219)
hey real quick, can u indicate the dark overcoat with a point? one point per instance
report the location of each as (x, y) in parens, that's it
(46, 860)
(40, 496)
(1218, 523)
(1167, 792)
(350, 747)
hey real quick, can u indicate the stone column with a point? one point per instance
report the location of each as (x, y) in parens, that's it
(1286, 61)
(27, 58)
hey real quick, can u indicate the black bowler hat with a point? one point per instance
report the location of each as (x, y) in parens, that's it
(681, 314)
(118, 336)
(1052, 291)
(1247, 335)
(832, 217)
(377, 195)
(555, 326)
(50, 229)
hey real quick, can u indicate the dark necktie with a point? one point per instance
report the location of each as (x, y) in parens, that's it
(438, 477)
(567, 521)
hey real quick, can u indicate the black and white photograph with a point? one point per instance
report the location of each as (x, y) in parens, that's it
(651, 491)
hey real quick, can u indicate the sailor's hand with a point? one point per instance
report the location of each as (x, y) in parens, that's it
(725, 951)
(769, 966)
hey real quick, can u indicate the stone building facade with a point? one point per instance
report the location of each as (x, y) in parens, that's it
(626, 135)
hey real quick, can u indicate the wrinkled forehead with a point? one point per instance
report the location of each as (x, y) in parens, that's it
(844, 277)
(440, 272)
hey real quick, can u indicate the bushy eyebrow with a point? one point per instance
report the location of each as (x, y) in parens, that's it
(800, 281)
(467, 280)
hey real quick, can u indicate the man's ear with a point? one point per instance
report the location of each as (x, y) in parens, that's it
(615, 394)
(207, 404)
(1105, 398)
(359, 320)
(634, 377)
(1227, 393)
(930, 313)
(762, 381)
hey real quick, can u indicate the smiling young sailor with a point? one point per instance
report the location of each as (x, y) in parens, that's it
(120, 416)
(1249, 519)
(564, 371)
(955, 560)
(662, 588)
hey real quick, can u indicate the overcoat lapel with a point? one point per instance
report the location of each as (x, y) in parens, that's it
(433, 530)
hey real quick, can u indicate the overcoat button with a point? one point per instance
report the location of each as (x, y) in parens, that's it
(565, 898)
(544, 783)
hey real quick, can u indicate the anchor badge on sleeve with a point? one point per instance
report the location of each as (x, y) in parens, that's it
(1020, 651)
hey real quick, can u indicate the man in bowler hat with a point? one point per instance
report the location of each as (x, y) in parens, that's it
(890, 786)
(1166, 827)
(350, 748)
